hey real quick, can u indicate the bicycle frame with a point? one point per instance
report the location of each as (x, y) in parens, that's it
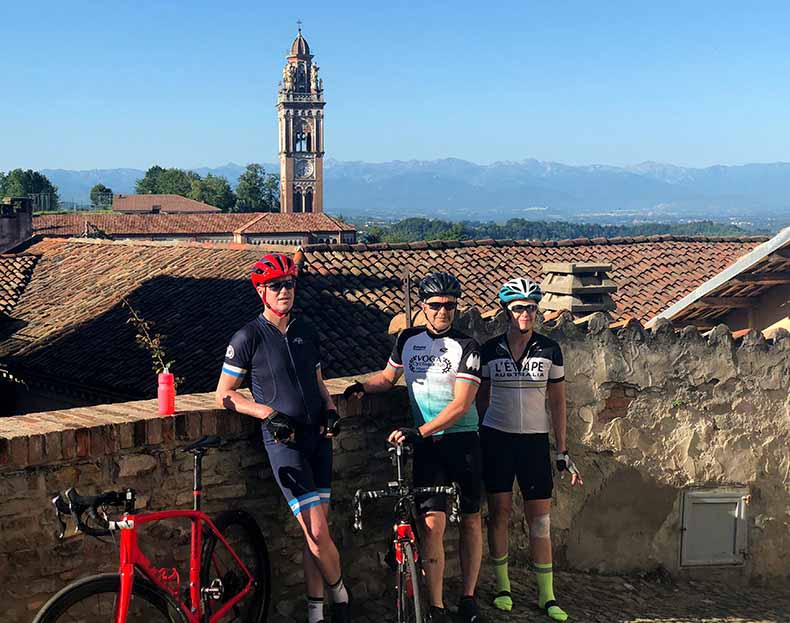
(133, 558)
(405, 528)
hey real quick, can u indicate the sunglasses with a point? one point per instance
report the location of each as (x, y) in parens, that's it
(290, 284)
(448, 306)
(520, 309)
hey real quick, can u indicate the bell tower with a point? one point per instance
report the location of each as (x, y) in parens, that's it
(300, 112)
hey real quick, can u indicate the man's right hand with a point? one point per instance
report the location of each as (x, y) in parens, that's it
(356, 389)
(279, 426)
(405, 435)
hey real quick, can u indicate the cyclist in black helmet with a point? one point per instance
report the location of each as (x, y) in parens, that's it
(442, 368)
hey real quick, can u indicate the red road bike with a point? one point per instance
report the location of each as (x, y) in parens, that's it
(404, 556)
(229, 575)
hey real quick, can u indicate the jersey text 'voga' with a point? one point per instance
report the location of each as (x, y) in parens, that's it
(518, 388)
(432, 364)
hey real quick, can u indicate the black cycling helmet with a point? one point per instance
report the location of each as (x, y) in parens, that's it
(439, 284)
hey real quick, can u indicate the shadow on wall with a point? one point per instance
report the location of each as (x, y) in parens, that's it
(101, 360)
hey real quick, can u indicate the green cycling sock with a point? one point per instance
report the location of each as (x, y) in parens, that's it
(544, 575)
(503, 600)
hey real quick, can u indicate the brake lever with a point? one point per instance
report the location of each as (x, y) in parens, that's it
(60, 532)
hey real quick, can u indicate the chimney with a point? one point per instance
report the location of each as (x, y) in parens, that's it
(16, 221)
(579, 287)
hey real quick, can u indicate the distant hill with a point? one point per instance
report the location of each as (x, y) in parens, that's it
(755, 196)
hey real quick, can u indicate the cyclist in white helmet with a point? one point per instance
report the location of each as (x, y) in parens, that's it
(520, 369)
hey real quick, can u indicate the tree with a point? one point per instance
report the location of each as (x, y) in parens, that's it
(159, 181)
(213, 190)
(256, 191)
(101, 197)
(21, 183)
(271, 192)
(149, 184)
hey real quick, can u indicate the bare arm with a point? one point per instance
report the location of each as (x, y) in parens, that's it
(228, 397)
(464, 397)
(382, 381)
(325, 395)
(556, 393)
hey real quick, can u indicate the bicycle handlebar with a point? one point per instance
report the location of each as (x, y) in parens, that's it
(405, 492)
(73, 504)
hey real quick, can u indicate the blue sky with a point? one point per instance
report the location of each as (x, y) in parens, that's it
(112, 84)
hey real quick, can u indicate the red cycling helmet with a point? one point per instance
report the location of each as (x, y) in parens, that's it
(273, 266)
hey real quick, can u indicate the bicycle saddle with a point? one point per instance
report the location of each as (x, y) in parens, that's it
(204, 443)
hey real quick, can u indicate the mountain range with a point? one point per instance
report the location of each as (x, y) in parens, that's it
(755, 196)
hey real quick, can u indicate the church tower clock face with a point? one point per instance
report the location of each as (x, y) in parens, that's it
(304, 167)
(300, 111)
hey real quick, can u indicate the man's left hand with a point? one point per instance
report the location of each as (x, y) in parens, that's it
(332, 427)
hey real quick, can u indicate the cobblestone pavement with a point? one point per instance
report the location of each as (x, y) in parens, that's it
(617, 599)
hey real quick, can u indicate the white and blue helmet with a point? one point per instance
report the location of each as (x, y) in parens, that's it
(519, 288)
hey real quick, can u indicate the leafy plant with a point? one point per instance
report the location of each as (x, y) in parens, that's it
(151, 341)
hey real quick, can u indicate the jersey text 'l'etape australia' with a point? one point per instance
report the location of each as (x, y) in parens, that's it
(432, 365)
(282, 367)
(518, 388)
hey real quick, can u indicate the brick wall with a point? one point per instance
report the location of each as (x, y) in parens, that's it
(128, 445)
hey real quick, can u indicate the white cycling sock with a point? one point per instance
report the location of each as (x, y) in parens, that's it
(315, 610)
(338, 591)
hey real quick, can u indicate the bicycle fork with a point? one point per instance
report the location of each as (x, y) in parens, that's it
(405, 534)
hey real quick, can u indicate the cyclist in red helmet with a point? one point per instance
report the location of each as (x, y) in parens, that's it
(281, 355)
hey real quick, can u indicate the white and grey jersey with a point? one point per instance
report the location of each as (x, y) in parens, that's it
(518, 388)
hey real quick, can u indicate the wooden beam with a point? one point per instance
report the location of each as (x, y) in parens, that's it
(785, 253)
(730, 302)
(774, 278)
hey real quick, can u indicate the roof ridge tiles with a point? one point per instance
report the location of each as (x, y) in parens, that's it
(251, 222)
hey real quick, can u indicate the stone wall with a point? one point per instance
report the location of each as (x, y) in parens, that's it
(654, 413)
(16, 221)
(650, 414)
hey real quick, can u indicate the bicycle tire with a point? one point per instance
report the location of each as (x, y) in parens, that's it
(242, 532)
(409, 603)
(81, 601)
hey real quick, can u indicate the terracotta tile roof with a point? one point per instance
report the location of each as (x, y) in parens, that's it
(68, 225)
(278, 222)
(75, 328)
(741, 283)
(166, 203)
(120, 225)
(15, 272)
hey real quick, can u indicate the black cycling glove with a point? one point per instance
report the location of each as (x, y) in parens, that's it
(564, 462)
(279, 426)
(410, 435)
(332, 426)
(355, 388)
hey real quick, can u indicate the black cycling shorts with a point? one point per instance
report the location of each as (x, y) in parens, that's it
(526, 456)
(445, 459)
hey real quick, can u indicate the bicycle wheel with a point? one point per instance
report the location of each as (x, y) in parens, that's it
(409, 604)
(93, 600)
(242, 533)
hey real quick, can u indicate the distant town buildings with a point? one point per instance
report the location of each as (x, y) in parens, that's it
(160, 204)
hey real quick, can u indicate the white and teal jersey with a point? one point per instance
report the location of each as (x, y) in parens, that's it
(518, 388)
(432, 365)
